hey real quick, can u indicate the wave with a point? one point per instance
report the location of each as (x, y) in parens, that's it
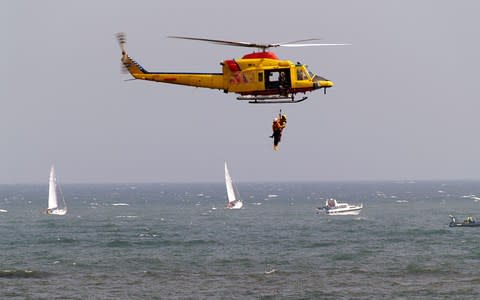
(319, 245)
(416, 269)
(344, 257)
(268, 272)
(186, 243)
(56, 240)
(473, 197)
(15, 273)
(420, 232)
(118, 243)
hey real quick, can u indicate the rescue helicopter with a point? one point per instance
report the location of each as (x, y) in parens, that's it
(258, 77)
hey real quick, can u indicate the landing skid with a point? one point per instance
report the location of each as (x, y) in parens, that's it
(271, 99)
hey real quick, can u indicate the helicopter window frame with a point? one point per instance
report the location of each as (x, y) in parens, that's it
(302, 73)
(310, 74)
(272, 78)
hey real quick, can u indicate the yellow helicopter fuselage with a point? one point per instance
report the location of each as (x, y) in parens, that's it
(255, 74)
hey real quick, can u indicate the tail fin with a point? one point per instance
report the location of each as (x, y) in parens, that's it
(130, 65)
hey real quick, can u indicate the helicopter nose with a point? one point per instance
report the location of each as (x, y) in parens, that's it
(321, 84)
(325, 83)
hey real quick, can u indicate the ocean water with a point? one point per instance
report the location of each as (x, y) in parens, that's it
(176, 241)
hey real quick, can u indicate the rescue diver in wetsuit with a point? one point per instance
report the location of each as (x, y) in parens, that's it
(277, 126)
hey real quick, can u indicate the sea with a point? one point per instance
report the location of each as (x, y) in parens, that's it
(176, 241)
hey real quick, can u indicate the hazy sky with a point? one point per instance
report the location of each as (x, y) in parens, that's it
(405, 105)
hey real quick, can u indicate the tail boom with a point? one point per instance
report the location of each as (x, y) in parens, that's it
(203, 80)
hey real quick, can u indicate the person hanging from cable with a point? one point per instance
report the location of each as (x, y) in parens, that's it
(277, 127)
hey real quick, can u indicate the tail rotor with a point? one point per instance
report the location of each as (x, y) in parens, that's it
(122, 40)
(128, 64)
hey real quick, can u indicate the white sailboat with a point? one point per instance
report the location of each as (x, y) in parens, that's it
(53, 193)
(234, 201)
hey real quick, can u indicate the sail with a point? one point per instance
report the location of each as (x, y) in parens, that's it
(52, 190)
(229, 185)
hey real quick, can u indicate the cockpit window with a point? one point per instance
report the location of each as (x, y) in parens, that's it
(313, 76)
(301, 74)
(309, 72)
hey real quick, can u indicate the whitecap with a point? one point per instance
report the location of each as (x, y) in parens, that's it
(473, 197)
(120, 204)
(3, 210)
(272, 196)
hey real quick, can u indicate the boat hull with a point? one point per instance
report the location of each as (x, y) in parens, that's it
(235, 205)
(452, 224)
(353, 212)
(57, 212)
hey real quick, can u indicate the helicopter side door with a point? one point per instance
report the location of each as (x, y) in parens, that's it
(277, 78)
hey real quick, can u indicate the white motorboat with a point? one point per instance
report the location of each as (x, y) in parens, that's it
(332, 207)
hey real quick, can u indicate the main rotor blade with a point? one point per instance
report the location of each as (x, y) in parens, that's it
(311, 45)
(300, 41)
(256, 45)
(224, 42)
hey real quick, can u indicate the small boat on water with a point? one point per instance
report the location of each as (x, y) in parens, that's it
(332, 207)
(468, 222)
(54, 192)
(234, 201)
